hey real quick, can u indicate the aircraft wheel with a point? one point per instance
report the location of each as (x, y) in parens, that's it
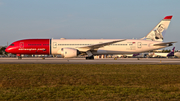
(19, 57)
(90, 58)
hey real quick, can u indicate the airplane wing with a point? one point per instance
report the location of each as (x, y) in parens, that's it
(164, 44)
(96, 46)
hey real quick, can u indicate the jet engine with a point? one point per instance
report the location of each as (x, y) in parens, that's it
(69, 52)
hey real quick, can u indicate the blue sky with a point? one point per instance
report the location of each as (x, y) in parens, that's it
(108, 19)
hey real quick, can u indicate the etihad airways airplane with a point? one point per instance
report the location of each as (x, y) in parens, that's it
(69, 48)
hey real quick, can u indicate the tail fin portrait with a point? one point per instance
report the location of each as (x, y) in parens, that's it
(172, 52)
(158, 32)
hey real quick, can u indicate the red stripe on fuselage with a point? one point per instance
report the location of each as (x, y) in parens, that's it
(30, 46)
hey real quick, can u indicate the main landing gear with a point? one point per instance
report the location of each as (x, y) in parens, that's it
(90, 58)
(90, 55)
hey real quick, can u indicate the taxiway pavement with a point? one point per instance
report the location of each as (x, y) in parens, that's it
(84, 61)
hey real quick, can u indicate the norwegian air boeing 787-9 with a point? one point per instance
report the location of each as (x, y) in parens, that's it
(69, 48)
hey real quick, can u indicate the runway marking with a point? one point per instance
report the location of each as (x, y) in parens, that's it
(84, 61)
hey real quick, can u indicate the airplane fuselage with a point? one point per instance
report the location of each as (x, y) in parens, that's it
(54, 46)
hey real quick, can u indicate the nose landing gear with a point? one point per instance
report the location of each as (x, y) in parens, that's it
(19, 56)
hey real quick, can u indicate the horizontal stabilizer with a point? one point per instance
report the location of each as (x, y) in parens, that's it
(164, 44)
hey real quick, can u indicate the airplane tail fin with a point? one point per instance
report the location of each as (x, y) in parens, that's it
(172, 52)
(158, 32)
(136, 54)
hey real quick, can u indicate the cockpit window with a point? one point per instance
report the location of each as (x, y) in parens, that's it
(12, 45)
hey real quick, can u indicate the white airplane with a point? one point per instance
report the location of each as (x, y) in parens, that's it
(165, 55)
(177, 54)
(69, 48)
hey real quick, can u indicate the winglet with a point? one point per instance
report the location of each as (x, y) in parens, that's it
(168, 17)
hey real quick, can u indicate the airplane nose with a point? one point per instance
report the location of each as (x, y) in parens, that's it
(7, 50)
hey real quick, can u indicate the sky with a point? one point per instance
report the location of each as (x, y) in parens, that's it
(89, 19)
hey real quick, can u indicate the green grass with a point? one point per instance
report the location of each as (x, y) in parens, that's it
(89, 82)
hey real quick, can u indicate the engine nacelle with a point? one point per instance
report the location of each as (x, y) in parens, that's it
(69, 52)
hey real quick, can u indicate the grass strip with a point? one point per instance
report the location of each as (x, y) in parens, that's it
(89, 82)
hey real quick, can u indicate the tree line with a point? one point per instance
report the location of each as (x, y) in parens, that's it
(2, 51)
